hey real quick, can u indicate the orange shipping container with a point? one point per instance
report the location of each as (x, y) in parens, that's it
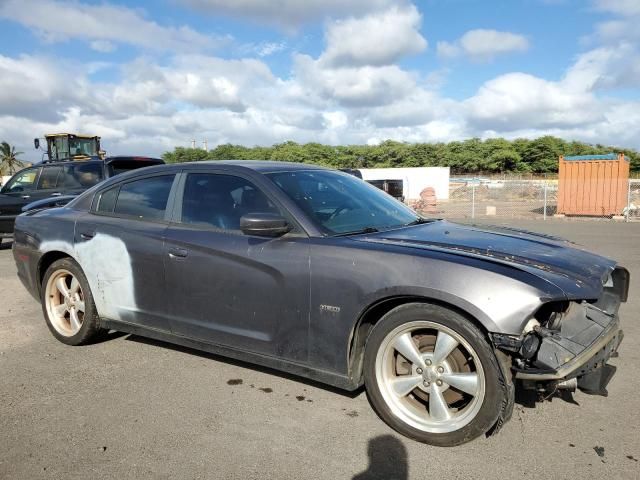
(593, 184)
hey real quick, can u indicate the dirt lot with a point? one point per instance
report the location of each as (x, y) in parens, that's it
(132, 408)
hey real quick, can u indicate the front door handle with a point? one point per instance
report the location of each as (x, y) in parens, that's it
(175, 252)
(26, 196)
(87, 235)
(57, 194)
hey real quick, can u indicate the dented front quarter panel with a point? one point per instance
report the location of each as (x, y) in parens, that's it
(353, 275)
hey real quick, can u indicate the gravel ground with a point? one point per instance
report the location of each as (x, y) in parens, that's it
(133, 408)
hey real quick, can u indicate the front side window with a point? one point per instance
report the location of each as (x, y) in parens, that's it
(145, 199)
(23, 181)
(341, 203)
(221, 200)
(49, 178)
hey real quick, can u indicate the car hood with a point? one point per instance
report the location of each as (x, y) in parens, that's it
(542, 255)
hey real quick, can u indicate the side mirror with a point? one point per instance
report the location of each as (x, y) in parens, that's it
(36, 143)
(264, 224)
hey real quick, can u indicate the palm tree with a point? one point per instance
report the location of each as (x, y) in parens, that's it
(9, 162)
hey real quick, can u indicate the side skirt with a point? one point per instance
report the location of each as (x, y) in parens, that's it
(333, 379)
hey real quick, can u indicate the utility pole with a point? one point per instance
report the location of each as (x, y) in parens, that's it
(193, 143)
(205, 146)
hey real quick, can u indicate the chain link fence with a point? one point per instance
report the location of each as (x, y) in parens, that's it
(525, 198)
(633, 204)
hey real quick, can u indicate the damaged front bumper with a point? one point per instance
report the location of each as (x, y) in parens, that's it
(577, 352)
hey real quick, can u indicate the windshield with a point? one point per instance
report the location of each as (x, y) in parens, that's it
(342, 203)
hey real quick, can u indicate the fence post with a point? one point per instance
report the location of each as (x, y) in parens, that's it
(544, 210)
(473, 199)
(628, 200)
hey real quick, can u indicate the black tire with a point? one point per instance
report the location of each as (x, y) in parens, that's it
(495, 393)
(90, 330)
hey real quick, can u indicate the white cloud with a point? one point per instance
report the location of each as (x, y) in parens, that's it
(288, 14)
(334, 120)
(197, 80)
(518, 100)
(354, 86)
(419, 107)
(269, 48)
(483, 45)
(262, 49)
(605, 68)
(57, 20)
(623, 27)
(620, 7)
(448, 50)
(103, 46)
(37, 88)
(380, 38)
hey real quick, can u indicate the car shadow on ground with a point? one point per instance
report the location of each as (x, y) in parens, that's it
(6, 244)
(240, 363)
(387, 460)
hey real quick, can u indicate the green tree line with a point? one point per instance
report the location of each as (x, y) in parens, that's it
(468, 156)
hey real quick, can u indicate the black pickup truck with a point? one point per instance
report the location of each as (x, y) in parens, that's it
(52, 180)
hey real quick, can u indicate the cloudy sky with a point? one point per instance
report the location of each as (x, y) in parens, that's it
(151, 75)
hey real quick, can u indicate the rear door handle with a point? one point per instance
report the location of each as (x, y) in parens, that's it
(87, 235)
(175, 252)
(57, 194)
(26, 196)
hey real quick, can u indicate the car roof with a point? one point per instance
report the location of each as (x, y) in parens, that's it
(237, 166)
(50, 163)
(261, 166)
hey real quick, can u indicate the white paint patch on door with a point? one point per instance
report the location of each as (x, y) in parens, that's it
(107, 265)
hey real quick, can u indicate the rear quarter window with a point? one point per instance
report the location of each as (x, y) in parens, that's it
(107, 200)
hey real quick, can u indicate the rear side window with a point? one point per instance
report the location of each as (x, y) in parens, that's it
(107, 200)
(49, 178)
(146, 198)
(82, 175)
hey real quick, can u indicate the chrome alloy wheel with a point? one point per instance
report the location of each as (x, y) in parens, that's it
(65, 303)
(430, 377)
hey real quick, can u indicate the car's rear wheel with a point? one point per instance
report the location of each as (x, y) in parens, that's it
(68, 305)
(431, 375)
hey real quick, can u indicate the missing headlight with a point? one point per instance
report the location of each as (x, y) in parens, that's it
(550, 314)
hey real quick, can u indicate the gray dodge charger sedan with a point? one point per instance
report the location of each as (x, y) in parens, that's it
(315, 272)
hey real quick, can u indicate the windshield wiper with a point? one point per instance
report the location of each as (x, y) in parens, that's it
(356, 232)
(418, 221)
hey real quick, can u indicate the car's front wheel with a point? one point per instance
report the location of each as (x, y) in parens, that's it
(68, 305)
(431, 375)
